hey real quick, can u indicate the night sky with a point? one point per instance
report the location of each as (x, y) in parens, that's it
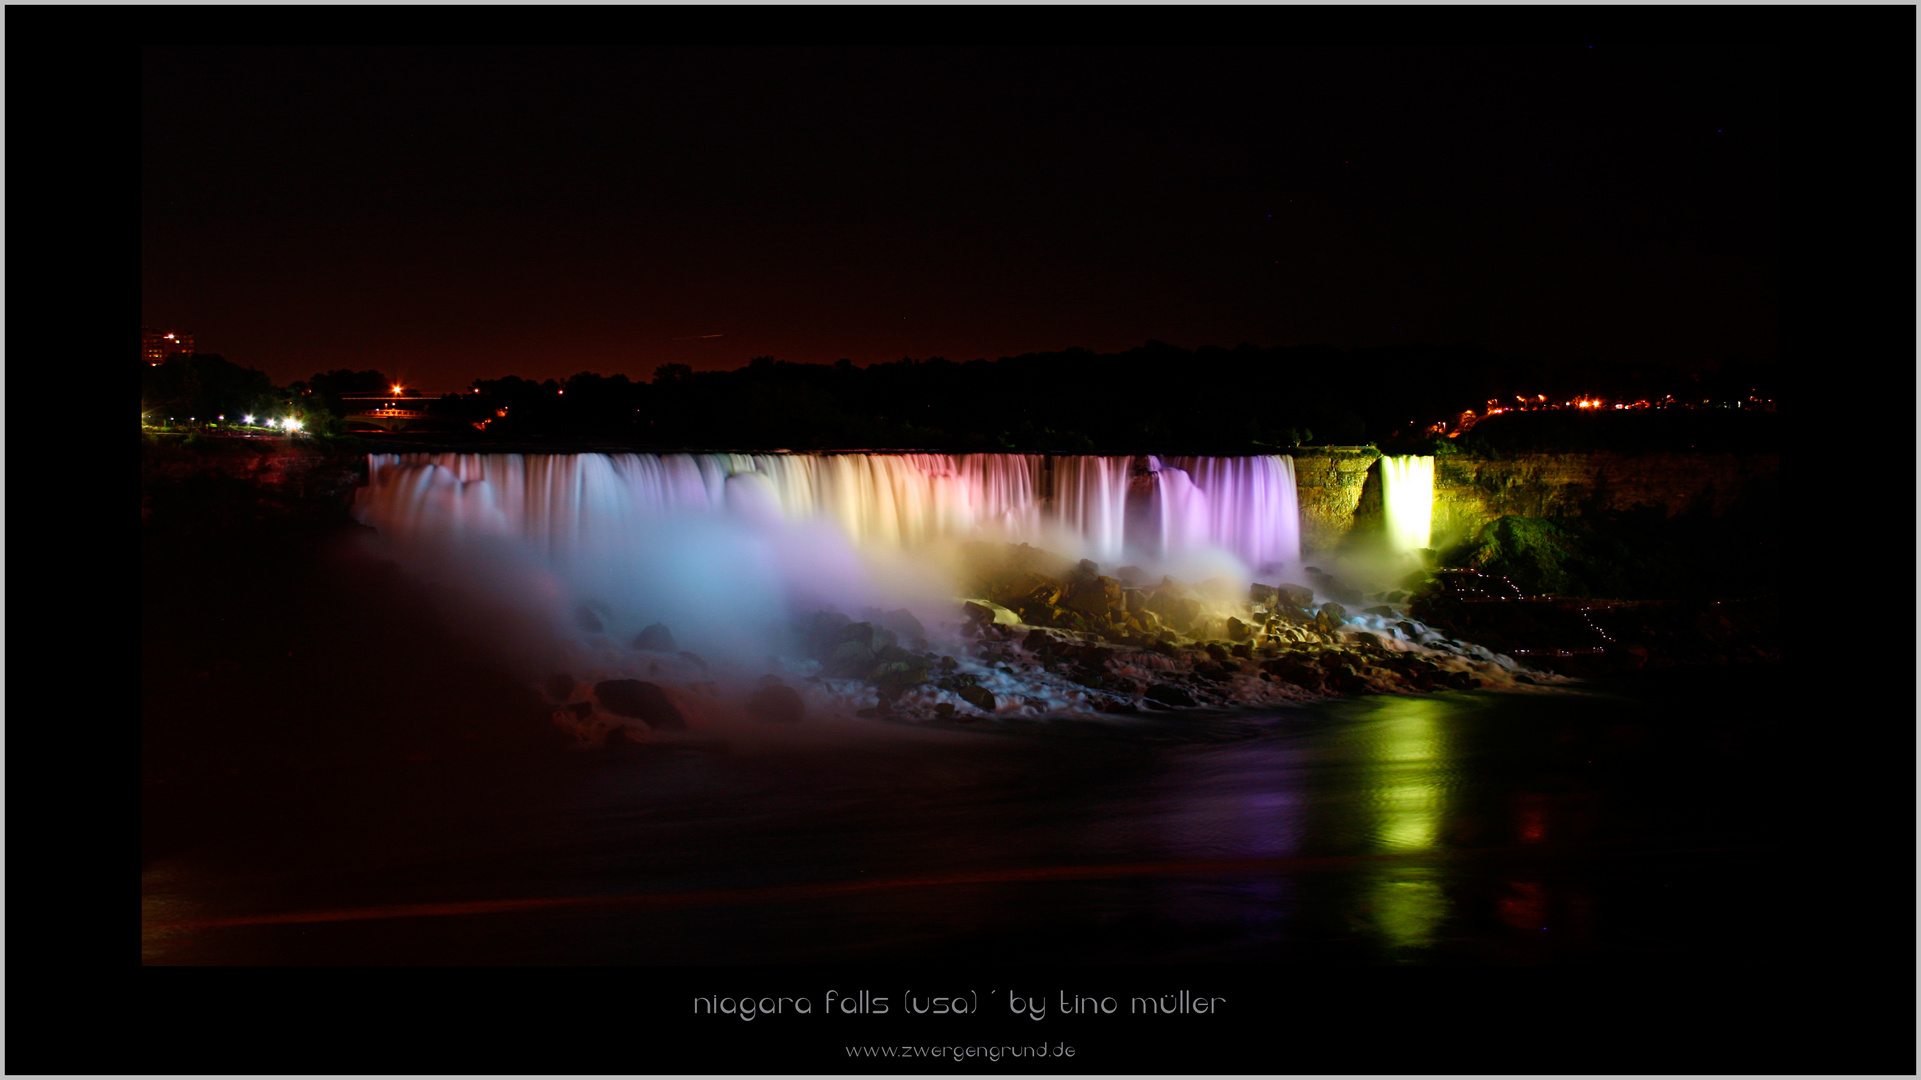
(453, 214)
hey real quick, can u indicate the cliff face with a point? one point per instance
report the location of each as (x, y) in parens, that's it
(1340, 488)
(1329, 484)
(1468, 493)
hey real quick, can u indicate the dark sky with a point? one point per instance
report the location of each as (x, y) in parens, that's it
(451, 214)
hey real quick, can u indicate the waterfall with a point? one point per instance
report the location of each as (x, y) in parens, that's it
(1407, 491)
(570, 506)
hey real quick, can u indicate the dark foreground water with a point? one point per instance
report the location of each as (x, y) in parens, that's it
(1648, 822)
(1620, 877)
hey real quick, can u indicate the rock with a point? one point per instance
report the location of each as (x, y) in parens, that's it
(1379, 609)
(849, 660)
(944, 710)
(656, 638)
(1336, 614)
(1094, 596)
(1085, 570)
(978, 696)
(1298, 595)
(986, 612)
(585, 618)
(895, 670)
(902, 622)
(693, 658)
(641, 700)
(1175, 603)
(1131, 576)
(875, 638)
(1237, 630)
(777, 703)
(560, 687)
(1262, 594)
(1171, 695)
(1287, 613)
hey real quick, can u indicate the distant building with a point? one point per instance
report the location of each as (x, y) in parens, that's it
(157, 345)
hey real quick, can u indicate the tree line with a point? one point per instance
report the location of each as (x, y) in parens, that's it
(1154, 398)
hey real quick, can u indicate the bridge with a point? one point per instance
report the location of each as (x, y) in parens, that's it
(389, 411)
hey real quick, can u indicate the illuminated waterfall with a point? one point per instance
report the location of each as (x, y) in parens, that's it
(565, 505)
(1407, 490)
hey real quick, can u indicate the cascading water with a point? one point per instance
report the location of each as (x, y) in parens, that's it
(740, 557)
(1407, 490)
(566, 506)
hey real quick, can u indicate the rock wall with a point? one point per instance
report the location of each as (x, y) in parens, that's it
(1340, 488)
(1329, 484)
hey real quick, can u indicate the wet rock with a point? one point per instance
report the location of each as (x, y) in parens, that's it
(1299, 596)
(986, 613)
(978, 696)
(1382, 610)
(1094, 596)
(643, 701)
(1085, 570)
(1331, 616)
(1262, 594)
(1238, 630)
(849, 660)
(873, 639)
(776, 704)
(655, 638)
(1131, 576)
(1176, 604)
(585, 618)
(693, 658)
(1170, 695)
(944, 710)
(1291, 615)
(896, 670)
(560, 687)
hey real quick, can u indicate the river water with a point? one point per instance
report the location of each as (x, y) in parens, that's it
(1604, 824)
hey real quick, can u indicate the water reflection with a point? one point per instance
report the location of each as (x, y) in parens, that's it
(1442, 829)
(1408, 774)
(1409, 770)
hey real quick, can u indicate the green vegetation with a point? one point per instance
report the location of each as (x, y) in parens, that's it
(1641, 553)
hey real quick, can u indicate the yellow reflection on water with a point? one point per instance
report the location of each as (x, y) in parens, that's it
(1407, 747)
(1407, 750)
(1407, 912)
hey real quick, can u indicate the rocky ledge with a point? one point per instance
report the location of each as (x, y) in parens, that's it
(1045, 636)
